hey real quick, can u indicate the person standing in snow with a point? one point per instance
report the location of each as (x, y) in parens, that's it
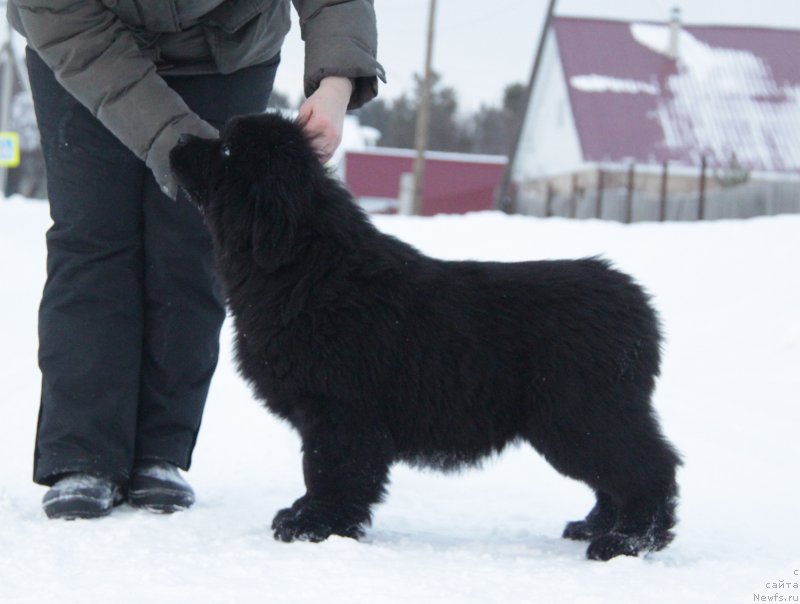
(131, 311)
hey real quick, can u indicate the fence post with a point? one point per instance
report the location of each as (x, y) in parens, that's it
(662, 209)
(598, 206)
(548, 201)
(629, 196)
(573, 200)
(701, 202)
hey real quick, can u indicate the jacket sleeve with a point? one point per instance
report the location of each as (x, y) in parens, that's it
(341, 39)
(96, 59)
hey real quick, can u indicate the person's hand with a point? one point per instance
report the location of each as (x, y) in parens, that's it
(322, 114)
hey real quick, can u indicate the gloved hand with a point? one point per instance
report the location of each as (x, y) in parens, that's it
(158, 156)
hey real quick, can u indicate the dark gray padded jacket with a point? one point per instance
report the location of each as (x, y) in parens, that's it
(110, 54)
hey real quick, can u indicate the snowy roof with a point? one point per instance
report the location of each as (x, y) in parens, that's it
(732, 90)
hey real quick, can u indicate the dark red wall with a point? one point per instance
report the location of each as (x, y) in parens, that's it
(452, 186)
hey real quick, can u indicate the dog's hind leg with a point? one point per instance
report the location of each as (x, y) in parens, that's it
(600, 520)
(346, 468)
(637, 469)
(621, 454)
(643, 525)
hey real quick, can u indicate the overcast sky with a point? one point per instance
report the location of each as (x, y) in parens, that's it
(481, 46)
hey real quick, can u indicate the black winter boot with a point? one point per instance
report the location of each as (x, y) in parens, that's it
(158, 486)
(81, 495)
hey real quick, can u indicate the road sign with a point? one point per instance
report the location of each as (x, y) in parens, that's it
(9, 149)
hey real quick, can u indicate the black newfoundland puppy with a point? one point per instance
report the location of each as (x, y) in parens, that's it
(376, 353)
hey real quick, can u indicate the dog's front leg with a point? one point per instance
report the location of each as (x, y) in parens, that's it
(345, 466)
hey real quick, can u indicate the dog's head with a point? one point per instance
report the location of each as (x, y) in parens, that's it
(254, 184)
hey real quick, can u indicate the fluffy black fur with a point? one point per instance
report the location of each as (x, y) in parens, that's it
(376, 353)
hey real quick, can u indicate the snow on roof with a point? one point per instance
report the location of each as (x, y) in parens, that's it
(734, 92)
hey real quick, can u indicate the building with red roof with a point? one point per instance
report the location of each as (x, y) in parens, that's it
(665, 100)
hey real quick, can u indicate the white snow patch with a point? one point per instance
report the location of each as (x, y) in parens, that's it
(728, 295)
(600, 83)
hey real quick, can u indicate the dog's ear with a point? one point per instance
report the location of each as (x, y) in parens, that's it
(284, 187)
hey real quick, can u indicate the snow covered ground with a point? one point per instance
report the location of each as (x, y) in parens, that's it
(729, 296)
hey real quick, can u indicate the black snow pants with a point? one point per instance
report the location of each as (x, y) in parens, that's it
(131, 311)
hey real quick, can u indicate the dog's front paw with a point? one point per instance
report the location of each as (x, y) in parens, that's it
(612, 545)
(293, 526)
(309, 520)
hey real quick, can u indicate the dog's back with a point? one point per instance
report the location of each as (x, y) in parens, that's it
(491, 352)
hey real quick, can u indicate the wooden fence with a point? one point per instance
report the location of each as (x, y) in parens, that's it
(629, 195)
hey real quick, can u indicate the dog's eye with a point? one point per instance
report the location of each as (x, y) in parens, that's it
(225, 150)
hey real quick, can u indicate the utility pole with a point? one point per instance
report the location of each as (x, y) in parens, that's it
(423, 116)
(504, 201)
